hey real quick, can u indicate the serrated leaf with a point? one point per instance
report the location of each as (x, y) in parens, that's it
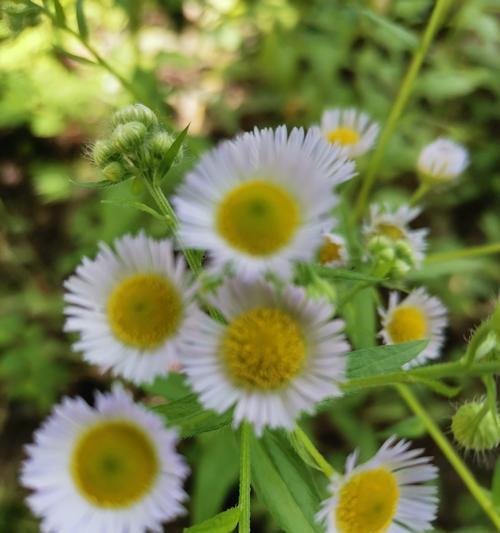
(284, 484)
(59, 13)
(81, 20)
(382, 359)
(190, 417)
(74, 57)
(495, 485)
(224, 522)
(171, 154)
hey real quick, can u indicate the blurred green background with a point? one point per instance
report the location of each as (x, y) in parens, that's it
(224, 66)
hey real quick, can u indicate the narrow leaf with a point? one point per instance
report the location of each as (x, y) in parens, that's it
(59, 12)
(190, 417)
(340, 273)
(224, 522)
(495, 485)
(74, 57)
(171, 154)
(136, 205)
(81, 20)
(103, 184)
(382, 359)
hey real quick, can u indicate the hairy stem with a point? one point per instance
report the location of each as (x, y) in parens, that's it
(245, 479)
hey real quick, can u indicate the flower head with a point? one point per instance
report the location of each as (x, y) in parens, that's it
(259, 201)
(131, 307)
(350, 129)
(384, 495)
(419, 316)
(442, 161)
(278, 355)
(109, 468)
(333, 251)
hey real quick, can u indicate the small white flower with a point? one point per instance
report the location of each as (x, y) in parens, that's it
(442, 160)
(333, 251)
(277, 356)
(258, 202)
(384, 495)
(349, 128)
(418, 316)
(112, 468)
(395, 225)
(131, 308)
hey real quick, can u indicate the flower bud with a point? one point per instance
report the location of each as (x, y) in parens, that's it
(129, 137)
(442, 161)
(103, 152)
(114, 172)
(404, 251)
(378, 243)
(135, 113)
(400, 268)
(159, 143)
(475, 428)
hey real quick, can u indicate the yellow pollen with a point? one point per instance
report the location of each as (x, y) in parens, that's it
(114, 464)
(391, 231)
(407, 324)
(263, 348)
(343, 135)
(329, 252)
(367, 502)
(258, 217)
(144, 309)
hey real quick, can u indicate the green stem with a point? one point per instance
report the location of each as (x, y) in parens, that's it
(398, 106)
(245, 479)
(322, 463)
(473, 251)
(422, 190)
(444, 444)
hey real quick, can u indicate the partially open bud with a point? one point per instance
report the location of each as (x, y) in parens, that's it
(442, 161)
(135, 113)
(475, 427)
(103, 152)
(129, 137)
(114, 172)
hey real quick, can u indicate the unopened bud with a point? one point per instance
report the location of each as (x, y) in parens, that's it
(476, 428)
(159, 143)
(114, 172)
(404, 251)
(103, 152)
(129, 137)
(378, 243)
(135, 113)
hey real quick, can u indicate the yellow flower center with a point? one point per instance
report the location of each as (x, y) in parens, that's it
(407, 324)
(329, 252)
(114, 464)
(367, 502)
(343, 135)
(391, 231)
(263, 348)
(144, 309)
(258, 217)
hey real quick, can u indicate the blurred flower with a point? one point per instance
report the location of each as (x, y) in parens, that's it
(418, 316)
(259, 201)
(384, 494)
(333, 251)
(442, 161)
(131, 308)
(349, 128)
(109, 468)
(277, 356)
(475, 427)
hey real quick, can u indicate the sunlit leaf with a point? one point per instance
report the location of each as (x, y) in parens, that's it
(81, 20)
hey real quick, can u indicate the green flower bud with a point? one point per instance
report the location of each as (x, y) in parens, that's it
(386, 256)
(129, 137)
(103, 152)
(159, 143)
(474, 428)
(378, 243)
(405, 252)
(400, 268)
(114, 172)
(135, 113)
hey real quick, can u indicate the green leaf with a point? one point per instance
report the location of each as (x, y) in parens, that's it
(103, 184)
(382, 359)
(81, 20)
(340, 273)
(284, 484)
(190, 417)
(74, 57)
(170, 155)
(224, 522)
(171, 387)
(360, 315)
(410, 428)
(59, 12)
(401, 33)
(495, 485)
(136, 205)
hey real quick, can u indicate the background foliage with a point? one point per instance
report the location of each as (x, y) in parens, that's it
(224, 66)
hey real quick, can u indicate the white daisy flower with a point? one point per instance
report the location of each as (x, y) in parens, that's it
(112, 468)
(259, 200)
(277, 356)
(442, 160)
(349, 128)
(333, 251)
(131, 308)
(383, 495)
(418, 316)
(395, 226)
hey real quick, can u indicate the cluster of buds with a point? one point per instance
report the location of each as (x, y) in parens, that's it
(392, 258)
(137, 144)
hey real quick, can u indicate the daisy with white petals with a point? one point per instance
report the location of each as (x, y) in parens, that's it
(395, 225)
(277, 356)
(442, 161)
(333, 251)
(131, 307)
(419, 316)
(351, 129)
(112, 468)
(384, 495)
(258, 202)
